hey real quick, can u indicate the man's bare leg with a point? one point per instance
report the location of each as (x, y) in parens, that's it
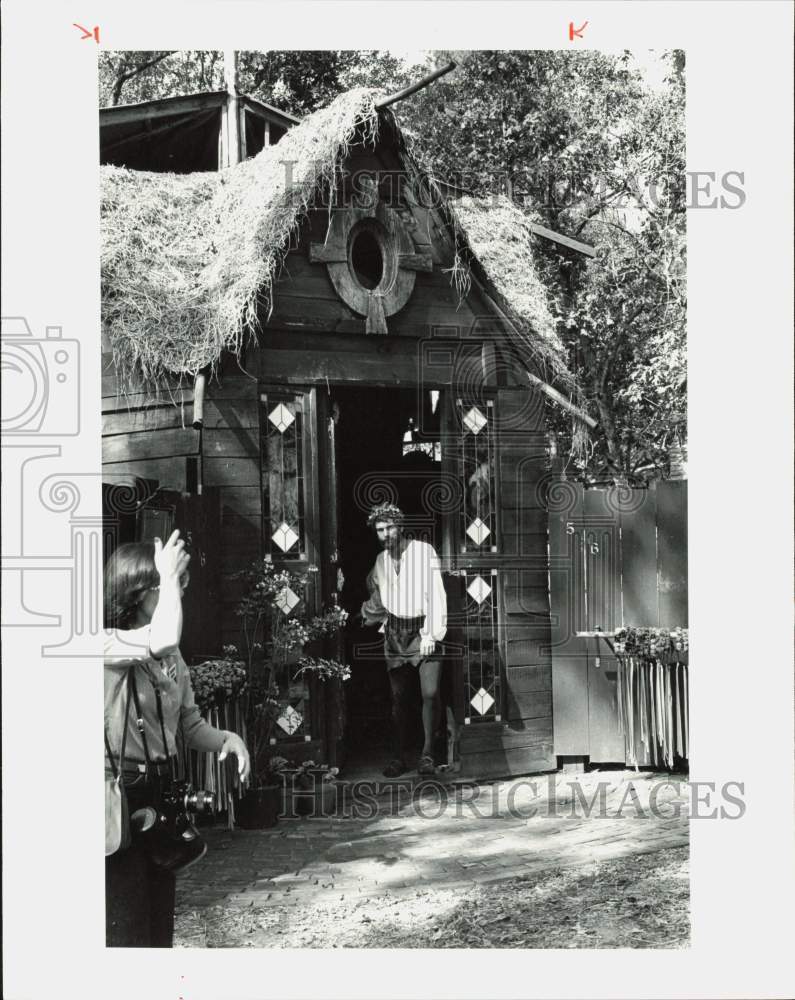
(430, 672)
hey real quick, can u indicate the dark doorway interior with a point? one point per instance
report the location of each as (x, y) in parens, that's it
(380, 456)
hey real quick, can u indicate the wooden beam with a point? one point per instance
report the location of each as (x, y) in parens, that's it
(130, 113)
(561, 400)
(327, 253)
(547, 389)
(565, 241)
(269, 113)
(416, 261)
(419, 85)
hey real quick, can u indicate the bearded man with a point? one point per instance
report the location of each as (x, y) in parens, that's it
(407, 596)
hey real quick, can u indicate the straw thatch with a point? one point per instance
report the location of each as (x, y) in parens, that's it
(185, 258)
(188, 260)
(499, 236)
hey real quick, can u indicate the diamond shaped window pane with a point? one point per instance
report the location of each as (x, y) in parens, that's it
(482, 701)
(474, 420)
(290, 720)
(478, 531)
(281, 418)
(286, 599)
(285, 537)
(479, 590)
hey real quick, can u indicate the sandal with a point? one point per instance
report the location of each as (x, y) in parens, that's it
(425, 765)
(394, 769)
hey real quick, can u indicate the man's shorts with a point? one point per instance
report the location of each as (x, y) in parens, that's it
(402, 642)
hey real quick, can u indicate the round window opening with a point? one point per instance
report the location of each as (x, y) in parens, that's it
(367, 258)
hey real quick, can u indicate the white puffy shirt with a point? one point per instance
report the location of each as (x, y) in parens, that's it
(417, 590)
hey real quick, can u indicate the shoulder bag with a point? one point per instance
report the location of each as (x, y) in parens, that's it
(117, 818)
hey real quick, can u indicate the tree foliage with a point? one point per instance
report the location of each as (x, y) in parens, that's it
(584, 145)
(130, 76)
(590, 151)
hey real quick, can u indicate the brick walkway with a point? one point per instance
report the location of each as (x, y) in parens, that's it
(438, 836)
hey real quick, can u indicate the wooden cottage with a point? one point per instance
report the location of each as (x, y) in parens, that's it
(313, 330)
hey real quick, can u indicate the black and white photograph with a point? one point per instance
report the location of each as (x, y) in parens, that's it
(394, 449)
(396, 397)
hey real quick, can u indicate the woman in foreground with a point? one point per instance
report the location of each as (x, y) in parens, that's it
(148, 697)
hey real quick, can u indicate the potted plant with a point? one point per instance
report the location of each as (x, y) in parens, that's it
(310, 789)
(275, 633)
(219, 686)
(259, 808)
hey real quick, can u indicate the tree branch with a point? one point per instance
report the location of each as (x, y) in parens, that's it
(135, 71)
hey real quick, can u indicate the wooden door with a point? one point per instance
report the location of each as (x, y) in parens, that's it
(567, 539)
(291, 534)
(496, 556)
(602, 585)
(198, 518)
(472, 648)
(329, 696)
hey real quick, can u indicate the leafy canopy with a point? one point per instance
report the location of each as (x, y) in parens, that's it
(585, 146)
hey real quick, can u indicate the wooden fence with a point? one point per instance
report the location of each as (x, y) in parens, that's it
(618, 557)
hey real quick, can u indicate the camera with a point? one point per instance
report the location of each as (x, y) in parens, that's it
(181, 797)
(166, 830)
(41, 381)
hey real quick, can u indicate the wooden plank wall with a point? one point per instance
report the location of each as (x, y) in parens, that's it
(623, 561)
(152, 437)
(305, 298)
(231, 462)
(638, 520)
(672, 554)
(568, 611)
(128, 445)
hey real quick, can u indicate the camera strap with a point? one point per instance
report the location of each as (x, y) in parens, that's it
(139, 721)
(117, 770)
(159, 700)
(141, 728)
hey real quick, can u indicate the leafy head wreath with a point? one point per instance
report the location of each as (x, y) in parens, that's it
(386, 512)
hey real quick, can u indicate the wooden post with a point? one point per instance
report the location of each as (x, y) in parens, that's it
(198, 400)
(232, 109)
(242, 132)
(223, 139)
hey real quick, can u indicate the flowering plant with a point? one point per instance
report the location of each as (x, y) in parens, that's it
(218, 680)
(322, 668)
(275, 630)
(306, 773)
(271, 769)
(651, 642)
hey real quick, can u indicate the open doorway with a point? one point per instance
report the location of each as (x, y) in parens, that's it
(386, 450)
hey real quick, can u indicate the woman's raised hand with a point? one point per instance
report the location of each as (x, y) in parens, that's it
(171, 559)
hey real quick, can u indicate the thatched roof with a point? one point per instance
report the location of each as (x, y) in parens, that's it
(186, 258)
(499, 236)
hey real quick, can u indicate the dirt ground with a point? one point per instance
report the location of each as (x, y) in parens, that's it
(639, 901)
